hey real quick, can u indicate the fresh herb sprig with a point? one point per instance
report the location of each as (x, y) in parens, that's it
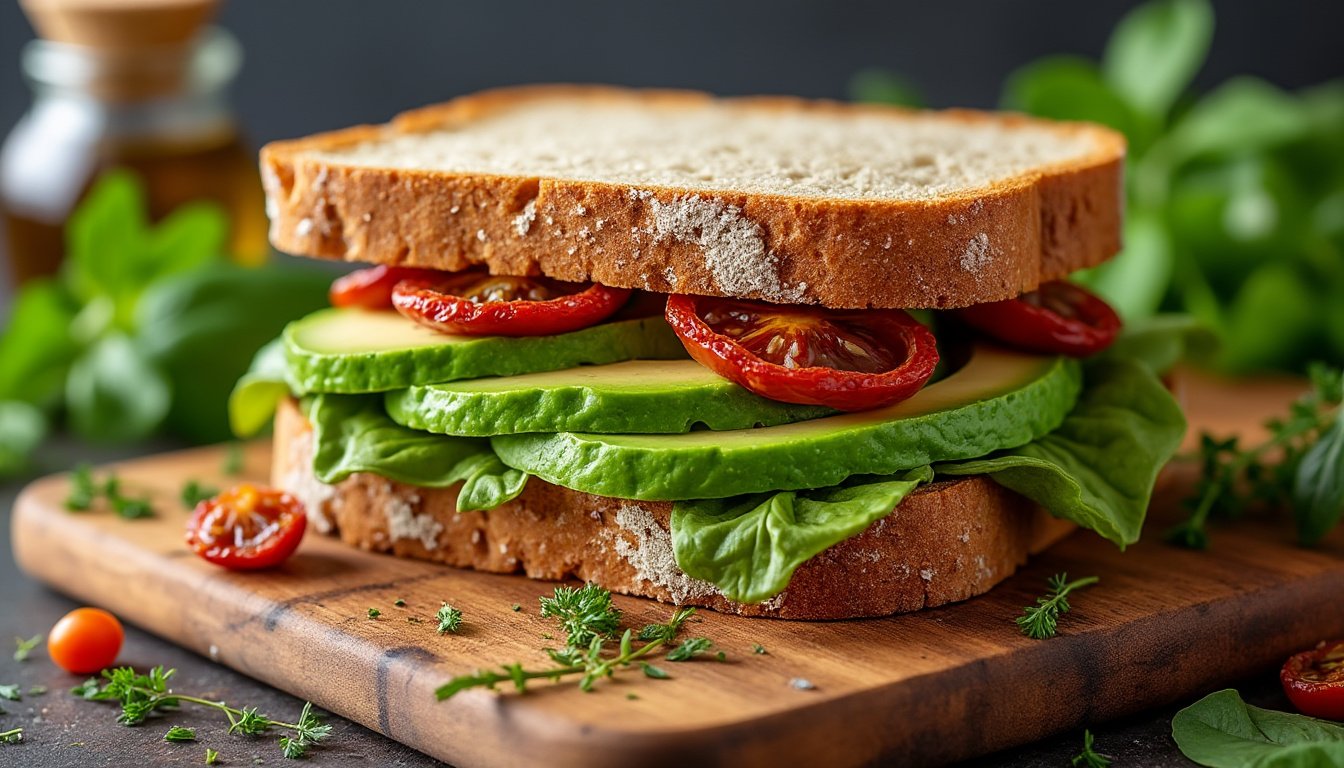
(194, 492)
(141, 695)
(10, 693)
(85, 490)
(449, 618)
(12, 736)
(1090, 758)
(1041, 621)
(1292, 466)
(25, 647)
(179, 734)
(585, 612)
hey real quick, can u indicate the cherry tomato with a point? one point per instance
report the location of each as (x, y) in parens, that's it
(1058, 318)
(372, 288)
(479, 304)
(85, 640)
(1314, 681)
(247, 527)
(850, 360)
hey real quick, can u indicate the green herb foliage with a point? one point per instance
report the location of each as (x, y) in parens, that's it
(584, 613)
(374, 613)
(12, 736)
(1300, 464)
(449, 618)
(179, 734)
(690, 648)
(10, 692)
(1041, 621)
(143, 695)
(1089, 757)
(25, 647)
(758, 649)
(211, 756)
(194, 492)
(85, 490)
(1222, 731)
(1234, 209)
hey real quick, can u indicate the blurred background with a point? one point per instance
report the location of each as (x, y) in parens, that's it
(135, 299)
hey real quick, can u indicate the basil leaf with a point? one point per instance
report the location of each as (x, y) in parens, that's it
(1067, 88)
(105, 238)
(1161, 341)
(114, 392)
(22, 428)
(1272, 321)
(1135, 281)
(191, 237)
(36, 347)
(1241, 116)
(1155, 51)
(1318, 488)
(353, 434)
(1222, 731)
(255, 397)
(1098, 468)
(750, 546)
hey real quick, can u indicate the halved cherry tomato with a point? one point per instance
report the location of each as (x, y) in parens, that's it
(1314, 681)
(372, 288)
(1058, 318)
(85, 640)
(479, 304)
(850, 360)
(246, 527)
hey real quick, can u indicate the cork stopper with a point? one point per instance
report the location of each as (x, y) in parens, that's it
(119, 25)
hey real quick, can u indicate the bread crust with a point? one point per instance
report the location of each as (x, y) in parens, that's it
(946, 542)
(983, 245)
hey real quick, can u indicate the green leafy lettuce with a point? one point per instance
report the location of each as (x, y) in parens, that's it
(750, 546)
(1099, 467)
(353, 434)
(258, 393)
(1222, 731)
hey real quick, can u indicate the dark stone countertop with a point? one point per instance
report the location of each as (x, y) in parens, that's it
(61, 731)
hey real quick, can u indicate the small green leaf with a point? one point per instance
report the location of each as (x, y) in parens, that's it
(1318, 488)
(36, 345)
(1067, 88)
(1222, 731)
(179, 734)
(10, 692)
(654, 672)
(1136, 280)
(26, 647)
(114, 392)
(211, 756)
(1156, 50)
(1270, 322)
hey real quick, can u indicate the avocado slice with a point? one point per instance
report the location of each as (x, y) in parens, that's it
(639, 396)
(352, 351)
(998, 399)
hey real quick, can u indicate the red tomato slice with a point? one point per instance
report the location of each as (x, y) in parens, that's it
(246, 527)
(1056, 318)
(1314, 681)
(372, 288)
(479, 304)
(850, 360)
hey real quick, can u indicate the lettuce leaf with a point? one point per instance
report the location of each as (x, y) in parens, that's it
(750, 546)
(1099, 467)
(255, 397)
(1161, 341)
(353, 434)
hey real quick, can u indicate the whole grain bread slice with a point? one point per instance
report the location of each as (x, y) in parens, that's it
(771, 198)
(947, 541)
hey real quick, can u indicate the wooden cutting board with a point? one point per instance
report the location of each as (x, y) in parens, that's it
(932, 687)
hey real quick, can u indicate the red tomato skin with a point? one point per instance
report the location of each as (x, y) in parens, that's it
(85, 641)
(1323, 698)
(273, 551)
(1033, 328)
(815, 385)
(423, 302)
(372, 288)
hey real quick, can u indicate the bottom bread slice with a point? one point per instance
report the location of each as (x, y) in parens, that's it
(948, 541)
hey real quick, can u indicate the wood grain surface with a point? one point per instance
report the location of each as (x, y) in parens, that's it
(926, 688)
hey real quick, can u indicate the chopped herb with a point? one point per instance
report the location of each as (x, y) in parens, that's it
(399, 603)
(584, 613)
(12, 736)
(179, 734)
(233, 459)
(36, 690)
(449, 618)
(721, 656)
(194, 492)
(656, 673)
(666, 632)
(1040, 621)
(631, 696)
(85, 491)
(758, 649)
(10, 692)
(516, 607)
(211, 756)
(802, 684)
(374, 613)
(143, 695)
(690, 648)
(26, 647)
(1088, 758)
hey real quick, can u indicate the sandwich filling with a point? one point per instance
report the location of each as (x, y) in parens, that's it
(777, 431)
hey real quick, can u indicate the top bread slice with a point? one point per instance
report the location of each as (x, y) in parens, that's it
(778, 199)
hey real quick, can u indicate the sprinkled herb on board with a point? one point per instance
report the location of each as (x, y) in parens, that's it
(1040, 621)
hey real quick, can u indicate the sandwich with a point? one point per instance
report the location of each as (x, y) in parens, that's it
(768, 356)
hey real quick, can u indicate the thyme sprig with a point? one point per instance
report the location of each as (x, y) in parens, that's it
(589, 620)
(143, 695)
(1276, 472)
(1041, 621)
(1090, 758)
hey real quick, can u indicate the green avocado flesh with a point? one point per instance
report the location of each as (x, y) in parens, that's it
(640, 396)
(998, 399)
(351, 351)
